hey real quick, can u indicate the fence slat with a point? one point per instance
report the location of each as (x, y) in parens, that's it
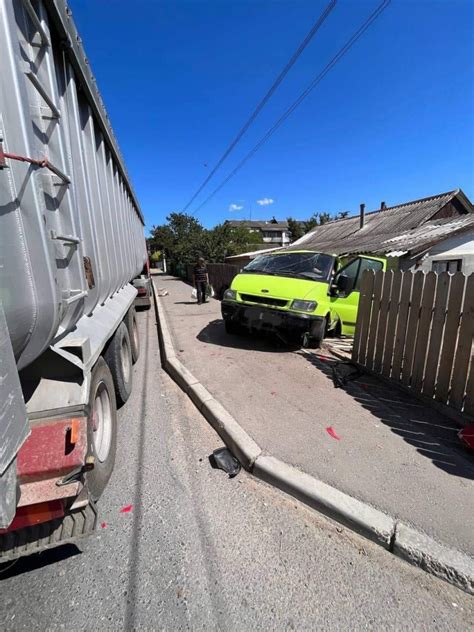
(374, 318)
(392, 322)
(469, 401)
(363, 317)
(426, 313)
(464, 350)
(382, 328)
(412, 328)
(405, 296)
(451, 327)
(439, 313)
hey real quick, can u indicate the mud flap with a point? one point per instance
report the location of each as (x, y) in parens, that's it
(47, 535)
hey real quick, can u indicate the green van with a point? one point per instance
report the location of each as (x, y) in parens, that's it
(301, 295)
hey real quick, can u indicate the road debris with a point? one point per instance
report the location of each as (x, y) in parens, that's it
(344, 372)
(466, 436)
(126, 509)
(223, 459)
(332, 433)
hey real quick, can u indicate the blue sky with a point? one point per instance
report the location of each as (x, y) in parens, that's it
(392, 121)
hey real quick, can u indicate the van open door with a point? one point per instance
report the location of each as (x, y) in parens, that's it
(345, 290)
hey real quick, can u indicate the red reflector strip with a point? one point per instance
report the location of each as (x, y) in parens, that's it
(36, 514)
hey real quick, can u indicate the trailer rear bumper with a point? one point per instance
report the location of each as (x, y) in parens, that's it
(48, 512)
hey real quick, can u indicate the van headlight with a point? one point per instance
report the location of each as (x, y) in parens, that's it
(230, 295)
(304, 306)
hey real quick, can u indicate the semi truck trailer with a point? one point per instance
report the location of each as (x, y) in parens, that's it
(71, 242)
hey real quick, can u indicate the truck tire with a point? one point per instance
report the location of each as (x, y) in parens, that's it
(132, 326)
(101, 428)
(118, 356)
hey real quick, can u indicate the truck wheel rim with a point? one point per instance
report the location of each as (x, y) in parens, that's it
(125, 360)
(102, 433)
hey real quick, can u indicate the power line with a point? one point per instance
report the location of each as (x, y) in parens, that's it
(266, 98)
(347, 46)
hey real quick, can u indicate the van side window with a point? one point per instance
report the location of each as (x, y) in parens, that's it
(367, 264)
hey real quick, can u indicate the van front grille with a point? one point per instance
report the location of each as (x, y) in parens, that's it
(264, 300)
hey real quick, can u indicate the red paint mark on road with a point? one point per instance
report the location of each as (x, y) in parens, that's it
(103, 525)
(126, 509)
(332, 433)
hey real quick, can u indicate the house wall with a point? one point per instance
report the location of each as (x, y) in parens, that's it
(457, 247)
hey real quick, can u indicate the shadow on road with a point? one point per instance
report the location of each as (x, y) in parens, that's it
(39, 560)
(433, 435)
(214, 333)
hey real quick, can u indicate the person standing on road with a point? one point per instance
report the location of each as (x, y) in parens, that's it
(200, 279)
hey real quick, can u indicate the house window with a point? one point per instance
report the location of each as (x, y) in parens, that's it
(449, 265)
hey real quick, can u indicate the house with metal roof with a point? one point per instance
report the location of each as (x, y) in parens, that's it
(434, 233)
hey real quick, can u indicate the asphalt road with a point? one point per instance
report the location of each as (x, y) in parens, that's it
(199, 551)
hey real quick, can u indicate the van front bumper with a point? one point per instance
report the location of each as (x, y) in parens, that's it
(259, 318)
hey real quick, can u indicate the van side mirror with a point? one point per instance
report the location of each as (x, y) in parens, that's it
(340, 284)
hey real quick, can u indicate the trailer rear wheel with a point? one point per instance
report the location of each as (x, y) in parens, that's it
(132, 326)
(118, 356)
(101, 428)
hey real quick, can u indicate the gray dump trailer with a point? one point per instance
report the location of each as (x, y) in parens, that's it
(71, 241)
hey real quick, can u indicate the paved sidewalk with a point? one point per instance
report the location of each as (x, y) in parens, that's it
(381, 447)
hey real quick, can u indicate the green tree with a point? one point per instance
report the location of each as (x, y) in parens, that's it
(225, 240)
(296, 228)
(179, 238)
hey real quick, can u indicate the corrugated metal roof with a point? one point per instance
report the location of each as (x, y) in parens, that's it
(405, 228)
(254, 253)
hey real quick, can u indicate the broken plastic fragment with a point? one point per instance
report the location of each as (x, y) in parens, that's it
(103, 525)
(223, 459)
(467, 437)
(331, 432)
(126, 509)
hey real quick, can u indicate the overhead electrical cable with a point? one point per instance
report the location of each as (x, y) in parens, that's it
(266, 98)
(357, 35)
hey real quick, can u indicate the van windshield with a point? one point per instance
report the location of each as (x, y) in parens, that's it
(308, 265)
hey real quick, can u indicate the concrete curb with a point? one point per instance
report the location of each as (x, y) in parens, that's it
(420, 550)
(406, 542)
(358, 516)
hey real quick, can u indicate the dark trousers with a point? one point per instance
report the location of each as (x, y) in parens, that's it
(201, 291)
